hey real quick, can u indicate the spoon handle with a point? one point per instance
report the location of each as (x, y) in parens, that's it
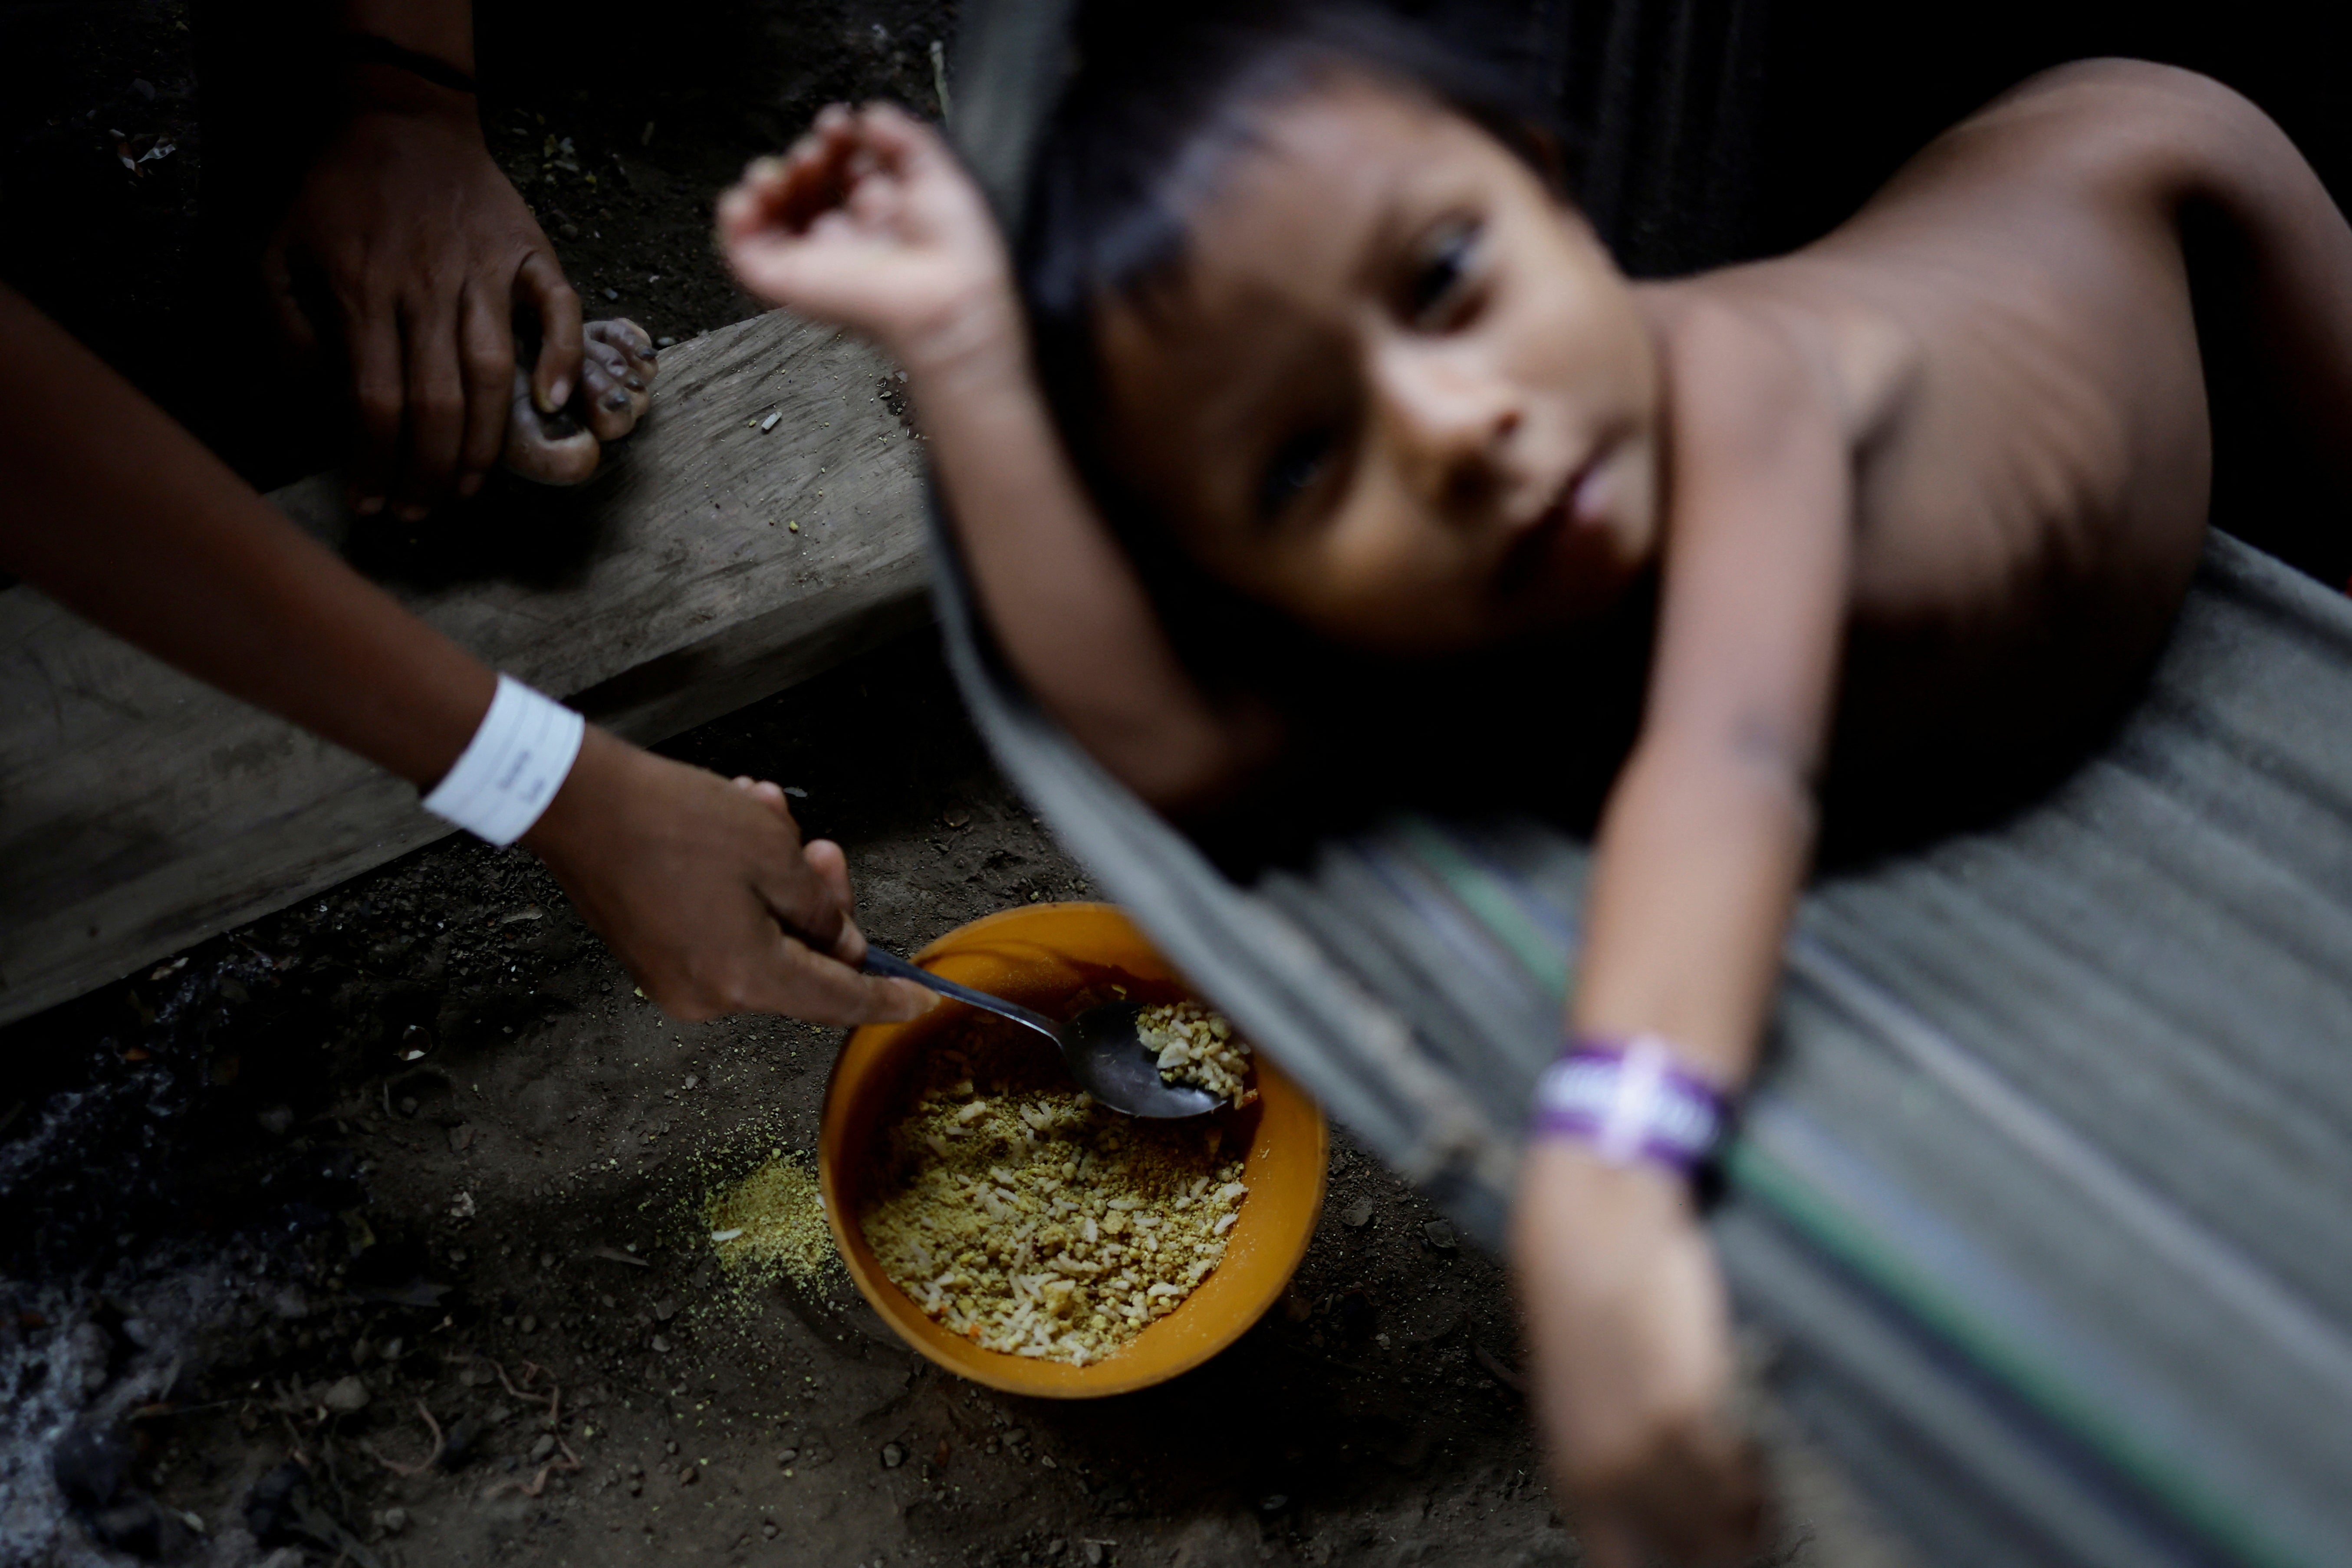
(889, 963)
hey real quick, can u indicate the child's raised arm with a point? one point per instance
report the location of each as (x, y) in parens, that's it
(871, 223)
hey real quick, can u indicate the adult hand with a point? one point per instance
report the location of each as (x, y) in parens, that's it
(703, 889)
(423, 252)
(1631, 1338)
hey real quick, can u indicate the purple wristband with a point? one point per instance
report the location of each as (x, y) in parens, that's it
(1629, 1102)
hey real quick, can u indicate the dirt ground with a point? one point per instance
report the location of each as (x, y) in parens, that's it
(408, 1173)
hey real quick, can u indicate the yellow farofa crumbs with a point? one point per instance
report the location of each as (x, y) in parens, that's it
(1197, 1047)
(1017, 1212)
(774, 1221)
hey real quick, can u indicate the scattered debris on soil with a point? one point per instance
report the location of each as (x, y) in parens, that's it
(1021, 1214)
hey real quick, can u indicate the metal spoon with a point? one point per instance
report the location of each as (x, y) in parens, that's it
(1100, 1045)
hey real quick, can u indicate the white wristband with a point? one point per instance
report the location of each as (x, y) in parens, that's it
(513, 765)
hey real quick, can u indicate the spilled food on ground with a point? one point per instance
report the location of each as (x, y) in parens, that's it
(1017, 1211)
(772, 1222)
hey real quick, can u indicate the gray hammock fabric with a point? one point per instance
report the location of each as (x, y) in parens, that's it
(2043, 1203)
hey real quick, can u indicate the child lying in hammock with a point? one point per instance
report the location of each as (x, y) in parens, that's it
(1308, 307)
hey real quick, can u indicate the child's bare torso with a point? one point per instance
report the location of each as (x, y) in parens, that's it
(2007, 329)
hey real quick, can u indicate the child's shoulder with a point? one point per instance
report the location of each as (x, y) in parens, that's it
(1780, 346)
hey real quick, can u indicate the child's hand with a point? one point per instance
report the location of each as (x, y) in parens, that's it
(871, 223)
(1632, 1346)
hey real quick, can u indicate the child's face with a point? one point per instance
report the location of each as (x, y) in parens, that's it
(1397, 390)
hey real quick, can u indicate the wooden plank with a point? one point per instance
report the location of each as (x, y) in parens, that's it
(141, 812)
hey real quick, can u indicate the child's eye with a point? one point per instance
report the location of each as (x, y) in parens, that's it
(1297, 464)
(1441, 280)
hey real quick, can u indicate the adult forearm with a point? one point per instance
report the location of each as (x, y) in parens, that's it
(118, 514)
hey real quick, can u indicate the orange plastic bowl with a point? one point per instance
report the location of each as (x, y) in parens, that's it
(1040, 955)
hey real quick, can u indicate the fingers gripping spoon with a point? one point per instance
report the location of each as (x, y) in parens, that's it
(1100, 1045)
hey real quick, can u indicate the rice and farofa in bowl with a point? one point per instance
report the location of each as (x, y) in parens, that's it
(1019, 1213)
